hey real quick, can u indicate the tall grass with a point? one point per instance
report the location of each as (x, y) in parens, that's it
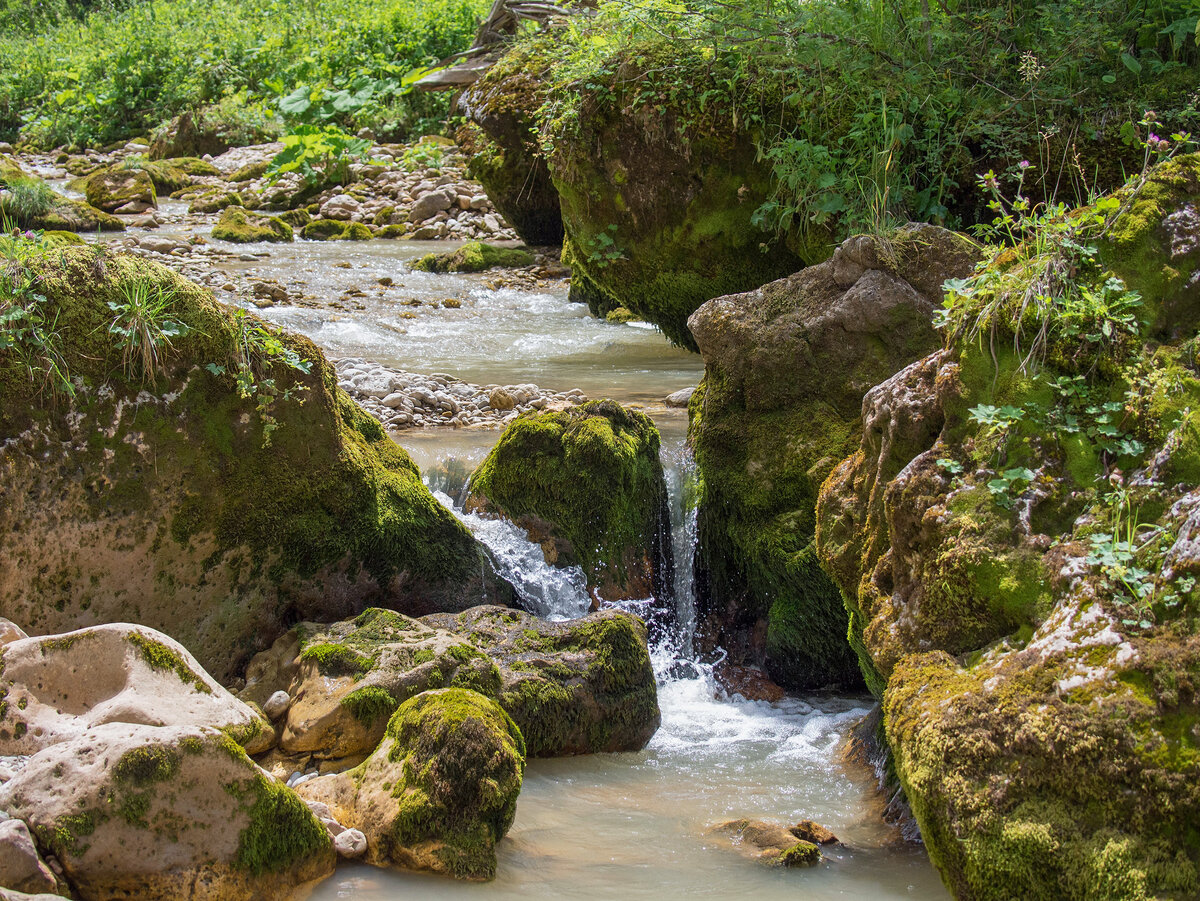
(118, 72)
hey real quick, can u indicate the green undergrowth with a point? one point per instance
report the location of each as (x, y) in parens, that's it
(95, 73)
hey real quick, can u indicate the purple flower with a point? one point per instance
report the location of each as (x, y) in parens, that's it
(31, 236)
(1024, 164)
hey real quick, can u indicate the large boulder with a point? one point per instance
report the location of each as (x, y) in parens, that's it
(54, 687)
(160, 813)
(220, 496)
(210, 131)
(474, 256)
(1015, 539)
(587, 484)
(575, 687)
(30, 203)
(118, 189)
(786, 368)
(439, 791)
(241, 226)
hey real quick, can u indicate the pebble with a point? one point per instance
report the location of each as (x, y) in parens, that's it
(350, 844)
(277, 705)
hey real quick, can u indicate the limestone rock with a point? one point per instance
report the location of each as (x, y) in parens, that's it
(21, 867)
(429, 204)
(55, 687)
(139, 811)
(769, 843)
(111, 189)
(575, 687)
(680, 398)
(10, 632)
(439, 791)
(350, 844)
(177, 505)
(340, 207)
(786, 368)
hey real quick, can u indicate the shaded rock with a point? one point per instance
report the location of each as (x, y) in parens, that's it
(55, 687)
(769, 843)
(786, 368)
(21, 867)
(439, 791)
(588, 482)
(474, 256)
(138, 811)
(748, 681)
(111, 189)
(350, 844)
(207, 131)
(578, 687)
(243, 227)
(177, 504)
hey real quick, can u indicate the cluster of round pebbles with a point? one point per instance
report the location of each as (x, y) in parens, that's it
(405, 400)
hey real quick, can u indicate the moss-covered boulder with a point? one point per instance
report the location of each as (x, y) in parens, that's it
(213, 200)
(587, 484)
(656, 202)
(164, 174)
(323, 229)
(53, 687)
(135, 811)
(210, 131)
(504, 155)
(31, 203)
(241, 226)
(191, 165)
(220, 495)
(439, 791)
(786, 368)
(117, 189)
(583, 686)
(1015, 538)
(474, 256)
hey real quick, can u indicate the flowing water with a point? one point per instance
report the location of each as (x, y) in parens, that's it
(629, 825)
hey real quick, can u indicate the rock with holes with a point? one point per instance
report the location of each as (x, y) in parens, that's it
(53, 687)
(439, 791)
(166, 812)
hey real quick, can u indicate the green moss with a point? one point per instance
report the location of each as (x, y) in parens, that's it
(593, 473)
(146, 765)
(161, 657)
(369, 704)
(242, 227)
(461, 760)
(282, 832)
(801, 854)
(474, 256)
(356, 231)
(337, 659)
(323, 229)
(191, 165)
(65, 837)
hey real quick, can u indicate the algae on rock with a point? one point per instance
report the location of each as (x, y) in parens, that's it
(785, 371)
(243, 227)
(587, 483)
(474, 256)
(1015, 539)
(175, 501)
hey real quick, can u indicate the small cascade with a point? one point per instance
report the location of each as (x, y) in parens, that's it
(551, 592)
(679, 469)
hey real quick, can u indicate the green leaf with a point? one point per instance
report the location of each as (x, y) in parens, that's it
(1131, 63)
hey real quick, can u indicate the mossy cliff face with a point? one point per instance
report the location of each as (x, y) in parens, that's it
(502, 108)
(175, 503)
(785, 371)
(1016, 544)
(656, 214)
(587, 483)
(584, 686)
(439, 791)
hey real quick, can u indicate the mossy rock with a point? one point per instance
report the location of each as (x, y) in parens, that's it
(620, 316)
(63, 237)
(190, 511)
(392, 231)
(587, 483)
(32, 204)
(578, 687)
(440, 790)
(137, 810)
(323, 229)
(111, 189)
(194, 166)
(240, 226)
(356, 231)
(215, 200)
(250, 171)
(1044, 718)
(296, 218)
(475, 256)
(786, 368)
(166, 176)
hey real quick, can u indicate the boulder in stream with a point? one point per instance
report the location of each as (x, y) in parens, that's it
(119, 190)
(772, 844)
(221, 495)
(439, 791)
(475, 256)
(786, 367)
(587, 484)
(241, 226)
(31, 203)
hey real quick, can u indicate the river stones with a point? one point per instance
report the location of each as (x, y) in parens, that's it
(774, 845)
(44, 208)
(54, 687)
(587, 484)
(143, 811)
(175, 501)
(577, 687)
(786, 368)
(439, 791)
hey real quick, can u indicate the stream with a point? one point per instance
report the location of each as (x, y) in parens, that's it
(628, 825)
